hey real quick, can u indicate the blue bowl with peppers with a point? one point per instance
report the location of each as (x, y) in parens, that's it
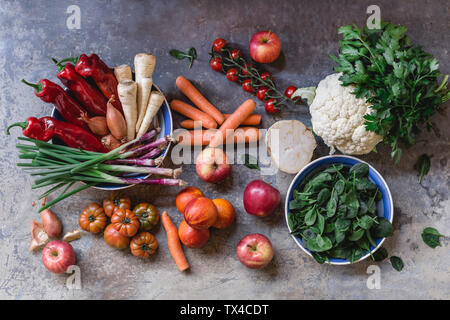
(385, 206)
(165, 123)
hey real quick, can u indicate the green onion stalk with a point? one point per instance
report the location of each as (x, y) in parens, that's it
(60, 167)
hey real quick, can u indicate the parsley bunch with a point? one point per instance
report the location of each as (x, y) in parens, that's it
(398, 79)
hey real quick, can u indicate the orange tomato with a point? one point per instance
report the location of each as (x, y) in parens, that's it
(92, 218)
(114, 238)
(116, 201)
(143, 245)
(125, 222)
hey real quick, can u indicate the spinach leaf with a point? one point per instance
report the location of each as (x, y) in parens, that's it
(323, 196)
(431, 237)
(383, 229)
(356, 235)
(380, 254)
(319, 244)
(311, 216)
(397, 263)
(359, 170)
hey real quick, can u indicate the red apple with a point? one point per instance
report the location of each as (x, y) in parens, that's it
(58, 256)
(255, 251)
(265, 47)
(212, 165)
(260, 198)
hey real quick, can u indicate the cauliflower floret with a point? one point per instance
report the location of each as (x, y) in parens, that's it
(337, 117)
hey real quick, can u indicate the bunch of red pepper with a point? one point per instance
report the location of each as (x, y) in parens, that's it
(85, 97)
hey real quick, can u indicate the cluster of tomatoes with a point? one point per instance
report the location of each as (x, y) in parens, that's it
(237, 69)
(127, 228)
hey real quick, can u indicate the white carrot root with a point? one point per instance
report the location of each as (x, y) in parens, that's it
(127, 95)
(144, 88)
(123, 72)
(154, 103)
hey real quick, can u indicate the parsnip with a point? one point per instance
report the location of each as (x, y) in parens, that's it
(144, 87)
(127, 94)
(154, 103)
(123, 72)
(144, 65)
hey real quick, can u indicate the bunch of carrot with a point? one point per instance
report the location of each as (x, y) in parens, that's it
(209, 117)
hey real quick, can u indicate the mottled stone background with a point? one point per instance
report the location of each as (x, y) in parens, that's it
(33, 31)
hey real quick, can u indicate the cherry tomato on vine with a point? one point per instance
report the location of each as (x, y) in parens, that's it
(235, 54)
(232, 75)
(261, 93)
(247, 86)
(244, 70)
(216, 64)
(290, 91)
(266, 76)
(270, 106)
(218, 44)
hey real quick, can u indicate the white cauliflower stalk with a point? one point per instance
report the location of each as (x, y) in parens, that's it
(337, 117)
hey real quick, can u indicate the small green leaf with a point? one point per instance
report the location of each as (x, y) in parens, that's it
(359, 170)
(250, 161)
(397, 263)
(311, 216)
(431, 237)
(423, 165)
(380, 254)
(383, 229)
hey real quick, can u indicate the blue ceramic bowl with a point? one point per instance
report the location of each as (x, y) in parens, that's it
(385, 207)
(166, 125)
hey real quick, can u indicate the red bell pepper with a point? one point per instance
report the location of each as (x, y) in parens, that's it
(67, 106)
(45, 128)
(89, 96)
(92, 66)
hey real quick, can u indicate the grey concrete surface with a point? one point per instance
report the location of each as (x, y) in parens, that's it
(33, 31)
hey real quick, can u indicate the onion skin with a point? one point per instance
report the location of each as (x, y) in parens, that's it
(97, 124)
(115, 121)
(110, 142)
(51, 223)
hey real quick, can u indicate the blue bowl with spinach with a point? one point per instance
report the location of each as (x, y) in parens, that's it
(339, 210)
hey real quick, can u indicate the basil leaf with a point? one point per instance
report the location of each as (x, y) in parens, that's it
(397, 263)
(177, 54)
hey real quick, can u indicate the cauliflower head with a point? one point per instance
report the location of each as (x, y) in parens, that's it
(337, 117)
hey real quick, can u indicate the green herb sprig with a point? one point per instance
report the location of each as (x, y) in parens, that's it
(180, 55)
(398, 79)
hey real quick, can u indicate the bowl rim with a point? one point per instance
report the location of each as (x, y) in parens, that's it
(163, 156)
(286, 205)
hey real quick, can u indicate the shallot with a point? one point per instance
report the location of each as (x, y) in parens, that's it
(96, 124)
(115, 121)
(51, 223)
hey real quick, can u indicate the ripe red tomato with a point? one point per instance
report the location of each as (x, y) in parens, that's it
(270, 106)
(266, 76)
(261, 93)
(216, 64)
(247, 86)
(235, 54)
(244, 70)
(232, 75)
(218, 44)
(290, 91)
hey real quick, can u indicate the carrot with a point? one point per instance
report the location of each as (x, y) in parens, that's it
(190, 124)
(252, 120)
(173, 242)
(193, 113)
(236, 118)
(198, 99)
(203, 137)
